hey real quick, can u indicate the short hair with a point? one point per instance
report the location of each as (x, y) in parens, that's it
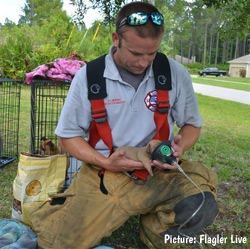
(147, 30)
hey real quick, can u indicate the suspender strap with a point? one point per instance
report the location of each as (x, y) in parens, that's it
(96, 81)
(162, 72)
(163, 84)
(161, 116)
(99, 128)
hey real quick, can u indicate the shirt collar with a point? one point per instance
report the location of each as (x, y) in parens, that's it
(111, 72)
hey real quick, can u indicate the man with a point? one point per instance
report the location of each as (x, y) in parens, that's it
(85, 213)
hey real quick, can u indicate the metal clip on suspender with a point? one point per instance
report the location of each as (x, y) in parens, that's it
(163, 102)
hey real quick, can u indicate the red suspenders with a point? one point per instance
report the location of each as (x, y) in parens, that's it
(100, 128)
(162, 126)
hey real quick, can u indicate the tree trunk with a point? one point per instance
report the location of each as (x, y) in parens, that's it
(231, 50)
(210, 45)
(224, 52)
(205, 47)
(227, 48)
(217, 48)
(32, 13)
(189, 50)
(181, 52)
(236, 52)
(193, 48)
(244, 46)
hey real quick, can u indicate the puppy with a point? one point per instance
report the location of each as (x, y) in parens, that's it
(47, 147)
(142, 154)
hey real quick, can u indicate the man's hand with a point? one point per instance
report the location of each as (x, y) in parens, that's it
(178, 152)
(118, 162)
(80, 149)
(187, 137)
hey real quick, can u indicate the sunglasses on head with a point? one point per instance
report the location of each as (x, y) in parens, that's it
(141, 18)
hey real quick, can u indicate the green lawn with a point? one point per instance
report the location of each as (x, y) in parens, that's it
(228, 82)
(224, 146)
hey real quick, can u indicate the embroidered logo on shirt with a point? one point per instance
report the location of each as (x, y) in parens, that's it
(151, 100)
(117, 101)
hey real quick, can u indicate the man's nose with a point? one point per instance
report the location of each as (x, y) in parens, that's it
(144, 61)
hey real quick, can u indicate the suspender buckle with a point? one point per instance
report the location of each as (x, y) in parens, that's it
(100, 117)
(163, 107)
(137, 180)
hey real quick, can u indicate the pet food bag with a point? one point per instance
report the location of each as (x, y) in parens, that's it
(38, 177)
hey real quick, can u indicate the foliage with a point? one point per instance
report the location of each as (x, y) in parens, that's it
(108, 9)
(45, 33)
(15, 50)
(25, 47)
(208, 33)
(193, 68)
(243, 73)
(236, 14)
(81, 10)
(36, 11)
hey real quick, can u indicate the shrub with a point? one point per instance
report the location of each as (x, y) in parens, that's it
(193, 68)
(243, 73)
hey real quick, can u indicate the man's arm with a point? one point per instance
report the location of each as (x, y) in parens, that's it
(188, 136)
(80, 149)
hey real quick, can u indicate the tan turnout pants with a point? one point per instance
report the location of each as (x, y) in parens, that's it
(88, 215)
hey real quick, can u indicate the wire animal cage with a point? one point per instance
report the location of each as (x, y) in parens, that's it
(47, 99)
(10, 93)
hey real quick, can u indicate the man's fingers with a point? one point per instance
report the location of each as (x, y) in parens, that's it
(176, 140)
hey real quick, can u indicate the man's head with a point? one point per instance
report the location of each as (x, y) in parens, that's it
(139, 29)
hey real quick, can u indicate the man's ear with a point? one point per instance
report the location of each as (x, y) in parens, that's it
(115, 39)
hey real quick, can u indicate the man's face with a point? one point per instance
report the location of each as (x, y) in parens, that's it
(135, 53)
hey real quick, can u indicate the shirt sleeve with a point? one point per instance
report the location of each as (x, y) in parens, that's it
(185, 108)
(75, 116)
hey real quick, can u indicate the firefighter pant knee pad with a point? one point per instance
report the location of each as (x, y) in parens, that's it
(203, 218)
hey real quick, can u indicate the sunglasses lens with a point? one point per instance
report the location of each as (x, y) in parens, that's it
(157, 18)
(138, 18)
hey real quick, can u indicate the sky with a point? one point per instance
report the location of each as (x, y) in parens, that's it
(12, 9)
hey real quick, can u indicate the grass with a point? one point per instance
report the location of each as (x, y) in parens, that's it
(233, 83)
(223, 145)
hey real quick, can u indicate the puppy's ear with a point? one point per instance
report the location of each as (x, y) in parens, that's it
(152, 145)
(51, 146)
(43, 138)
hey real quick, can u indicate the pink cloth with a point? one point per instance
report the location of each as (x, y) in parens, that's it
(60, 69)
